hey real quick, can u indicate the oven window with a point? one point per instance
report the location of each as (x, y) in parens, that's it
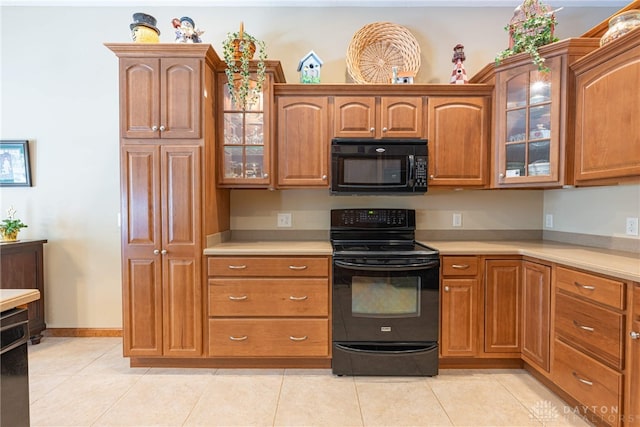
(385, 296)
(372, 171)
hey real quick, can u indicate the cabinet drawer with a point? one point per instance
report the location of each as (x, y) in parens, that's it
(600, 289)
(459, 266)
(268, 297)
(595, 329)
(591, 383)
(268, 267)
(266, 337)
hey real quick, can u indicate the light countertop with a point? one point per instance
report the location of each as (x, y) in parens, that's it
(12, 298)
(622, 265)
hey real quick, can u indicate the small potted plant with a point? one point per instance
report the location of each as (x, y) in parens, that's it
(238, 49)
(10, 226)
(532, 26)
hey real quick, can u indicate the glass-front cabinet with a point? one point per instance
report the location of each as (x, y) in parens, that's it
(533, 146)
(245, 156)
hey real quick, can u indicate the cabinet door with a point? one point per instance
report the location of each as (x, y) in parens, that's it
(401, 117)
(355, 117)
(181, 252)
(502, 306)
(633, 366)
(529, 127)
(303, 143)
(536, 291)
(140, 97)
(141, 267)
(459, 313)
(608, 119)
(458, 134)
(180, 106)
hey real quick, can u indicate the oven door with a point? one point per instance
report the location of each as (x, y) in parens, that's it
(385, 300)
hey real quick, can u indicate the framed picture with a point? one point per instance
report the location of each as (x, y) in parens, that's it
(15, 168)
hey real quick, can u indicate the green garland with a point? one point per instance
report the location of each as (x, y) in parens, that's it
(242, 94)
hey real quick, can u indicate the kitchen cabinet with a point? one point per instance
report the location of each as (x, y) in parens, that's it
(160, 97)
(379, 117)
(458, 134)
(270, 307)
(534, 116)
(503, 305)
(246, 135)
(169, 203)
(589, 340)
(459, 325)
(607, 125)
(632, 378)
(303, 141)
(536, 306)
(161, 251)
(22, 267)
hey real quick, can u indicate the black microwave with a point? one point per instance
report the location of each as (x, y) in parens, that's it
(373, 166)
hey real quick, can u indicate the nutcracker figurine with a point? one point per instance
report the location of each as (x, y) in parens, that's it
(458, 75)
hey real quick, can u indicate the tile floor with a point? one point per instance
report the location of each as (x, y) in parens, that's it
(87, 382)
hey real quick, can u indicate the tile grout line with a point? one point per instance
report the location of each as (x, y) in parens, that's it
(275, 413)
(440, 403)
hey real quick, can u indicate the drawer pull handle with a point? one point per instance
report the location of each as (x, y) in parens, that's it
(298, 267)
(634, 335)
(460, 266)
(237, 267)
(242, 338)
(298, 338)
(587, 287)
(292, 298)
(240, 298)
(584, 328)
(582, 380)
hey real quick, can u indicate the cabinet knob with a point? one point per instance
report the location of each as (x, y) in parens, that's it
(324, 177)
(156, 251)
(501, 175)
(384, 129)
(163, 252)
(162, 128)
(446, 289)
(634, 335)
(431, 177)
(265, 175)
(372, 130)
(154, 128)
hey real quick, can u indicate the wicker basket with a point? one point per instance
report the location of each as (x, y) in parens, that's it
(378, 47)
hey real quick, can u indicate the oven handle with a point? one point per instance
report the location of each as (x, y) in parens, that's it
(406, 267)
(349, 348)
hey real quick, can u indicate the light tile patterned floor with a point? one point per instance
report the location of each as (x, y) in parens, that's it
(87, 382)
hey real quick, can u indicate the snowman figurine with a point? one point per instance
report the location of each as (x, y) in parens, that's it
(186, 31)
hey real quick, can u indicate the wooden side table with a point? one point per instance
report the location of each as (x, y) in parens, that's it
(21, 267)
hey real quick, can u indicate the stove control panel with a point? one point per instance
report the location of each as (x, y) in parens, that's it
(373, 218)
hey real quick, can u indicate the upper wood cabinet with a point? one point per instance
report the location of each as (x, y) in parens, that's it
(378, 117)
(607, 125)
(536, 307)
(303, 141)
(160, 97)
(246, 135)
(458, 135)
(534, 116)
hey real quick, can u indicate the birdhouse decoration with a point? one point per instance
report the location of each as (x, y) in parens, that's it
(309, 68)
(459, 74)
(401, 77)
(186, 31)
(143, 29)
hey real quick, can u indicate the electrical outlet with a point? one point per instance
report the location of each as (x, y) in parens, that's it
(632, 227)
(284, 220)
(457, 220)
(548, 220)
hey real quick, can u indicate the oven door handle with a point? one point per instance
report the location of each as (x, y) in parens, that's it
(405, 267)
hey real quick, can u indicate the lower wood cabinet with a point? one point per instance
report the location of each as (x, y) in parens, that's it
(269, 307)
(632, 379)
(536, 306)
(503, 305)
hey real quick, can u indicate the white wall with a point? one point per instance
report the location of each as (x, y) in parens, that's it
(59, 89)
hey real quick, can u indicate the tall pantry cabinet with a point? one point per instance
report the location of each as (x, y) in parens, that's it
(169, 200)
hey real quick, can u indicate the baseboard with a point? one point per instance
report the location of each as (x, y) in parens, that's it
(81, 332)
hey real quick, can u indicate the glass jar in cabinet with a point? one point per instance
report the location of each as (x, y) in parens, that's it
(246, 133)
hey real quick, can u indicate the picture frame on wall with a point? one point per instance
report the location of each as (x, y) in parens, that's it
(15, 165)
